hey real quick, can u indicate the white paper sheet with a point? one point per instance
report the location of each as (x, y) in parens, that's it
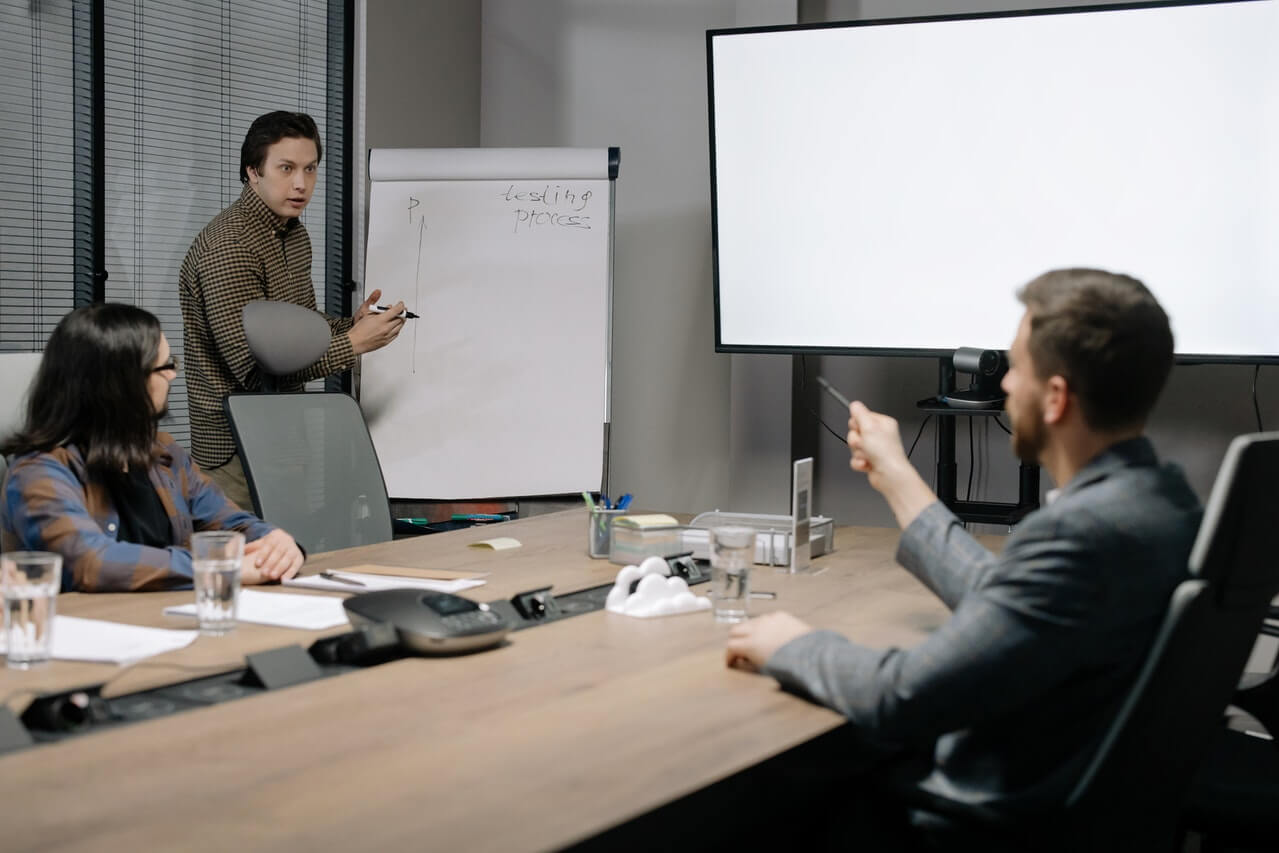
(371, 583)
(97, 641)
(309, 612)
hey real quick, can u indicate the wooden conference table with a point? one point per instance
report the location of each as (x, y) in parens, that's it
(569, 729)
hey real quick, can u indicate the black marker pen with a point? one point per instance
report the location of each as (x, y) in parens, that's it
(379, 309)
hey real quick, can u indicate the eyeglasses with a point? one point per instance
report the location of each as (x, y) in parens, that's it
(172, 364)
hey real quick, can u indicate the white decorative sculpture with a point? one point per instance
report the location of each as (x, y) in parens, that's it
(656, 594)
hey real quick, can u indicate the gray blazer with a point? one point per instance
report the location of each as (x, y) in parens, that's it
(1018, 685)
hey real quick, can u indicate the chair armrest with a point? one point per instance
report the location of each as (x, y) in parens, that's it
(1258, 694)
(961, 814)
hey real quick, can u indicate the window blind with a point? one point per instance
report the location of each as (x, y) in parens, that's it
(37, 167)
(183, 81)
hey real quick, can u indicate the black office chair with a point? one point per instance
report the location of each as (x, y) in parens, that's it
(1258, 692)
(1130, 796)
(307, 456)
(1233, 801)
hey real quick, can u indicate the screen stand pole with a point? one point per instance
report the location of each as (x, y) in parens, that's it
(984, 512)
(946, 465)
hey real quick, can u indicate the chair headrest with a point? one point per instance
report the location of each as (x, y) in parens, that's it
(283, 337)
(1234, 550)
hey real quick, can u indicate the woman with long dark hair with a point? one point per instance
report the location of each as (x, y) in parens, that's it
(93, 479)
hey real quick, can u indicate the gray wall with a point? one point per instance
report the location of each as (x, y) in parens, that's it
(689, 426)
(422, 73)
(693, 430)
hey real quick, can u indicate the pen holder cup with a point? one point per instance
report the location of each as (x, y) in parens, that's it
(600, 531)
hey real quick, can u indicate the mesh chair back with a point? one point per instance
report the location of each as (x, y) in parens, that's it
(311, 467)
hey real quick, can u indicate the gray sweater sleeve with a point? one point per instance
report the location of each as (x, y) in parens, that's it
(1013, 631)
(937, 550)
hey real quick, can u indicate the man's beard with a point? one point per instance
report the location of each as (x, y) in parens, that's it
(1028, 434)
(162, 414)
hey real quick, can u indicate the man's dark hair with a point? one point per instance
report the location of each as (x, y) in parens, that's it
(91, 390)
(269, 129)
(1107, 335)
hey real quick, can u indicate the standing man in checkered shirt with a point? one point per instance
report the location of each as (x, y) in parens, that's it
(258, 249)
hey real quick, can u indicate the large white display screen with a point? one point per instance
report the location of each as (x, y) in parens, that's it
(889, 185)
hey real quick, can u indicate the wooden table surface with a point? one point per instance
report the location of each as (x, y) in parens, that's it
(568, 729)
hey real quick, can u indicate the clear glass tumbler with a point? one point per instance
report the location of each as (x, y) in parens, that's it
(30, 581)
(215, 561)
(732, 555)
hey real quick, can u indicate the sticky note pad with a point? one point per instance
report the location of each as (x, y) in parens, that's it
(643, 522)
(501, 543)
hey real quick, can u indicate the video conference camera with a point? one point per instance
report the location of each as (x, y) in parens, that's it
(987, 368)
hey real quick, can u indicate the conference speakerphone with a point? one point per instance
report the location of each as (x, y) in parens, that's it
(431, 623)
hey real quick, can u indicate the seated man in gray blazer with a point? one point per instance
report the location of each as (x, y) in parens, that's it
(1008, 695)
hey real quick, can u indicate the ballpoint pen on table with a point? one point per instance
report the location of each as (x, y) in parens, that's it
(327, 575)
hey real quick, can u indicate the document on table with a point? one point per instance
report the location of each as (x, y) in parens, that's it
(97, 641)
(339, 581)
(309, 612)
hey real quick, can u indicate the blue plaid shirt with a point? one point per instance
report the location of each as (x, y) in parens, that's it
(50, 504)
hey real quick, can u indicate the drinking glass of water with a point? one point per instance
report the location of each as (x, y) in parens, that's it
(215, 558)
(30, 581)
(732, 554)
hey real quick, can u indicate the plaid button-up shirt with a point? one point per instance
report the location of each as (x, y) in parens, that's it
(245, 254)
(51, 504)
